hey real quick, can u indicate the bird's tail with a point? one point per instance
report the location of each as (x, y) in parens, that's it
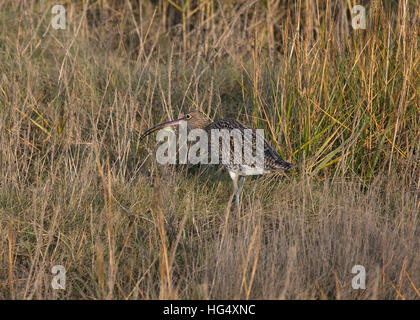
(280, 164)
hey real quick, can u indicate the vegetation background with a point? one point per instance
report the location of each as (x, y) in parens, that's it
(78, 188)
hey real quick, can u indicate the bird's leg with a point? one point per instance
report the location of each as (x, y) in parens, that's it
(240, 186)
(235, 177)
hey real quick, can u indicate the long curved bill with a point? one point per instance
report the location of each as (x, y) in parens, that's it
(161, 126)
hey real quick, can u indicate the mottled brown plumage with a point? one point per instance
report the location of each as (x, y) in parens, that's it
(273, 162)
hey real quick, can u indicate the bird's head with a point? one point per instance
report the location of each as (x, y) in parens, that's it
(195, 120)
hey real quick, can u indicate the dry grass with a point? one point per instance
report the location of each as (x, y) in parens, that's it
(77, 187)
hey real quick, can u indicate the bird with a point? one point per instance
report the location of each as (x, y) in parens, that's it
(272, 161)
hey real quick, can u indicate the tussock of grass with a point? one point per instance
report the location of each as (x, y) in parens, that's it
(77, 187)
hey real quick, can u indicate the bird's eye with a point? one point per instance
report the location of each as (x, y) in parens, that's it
(188, 117)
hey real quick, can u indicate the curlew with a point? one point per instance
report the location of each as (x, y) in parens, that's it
(272, 161)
